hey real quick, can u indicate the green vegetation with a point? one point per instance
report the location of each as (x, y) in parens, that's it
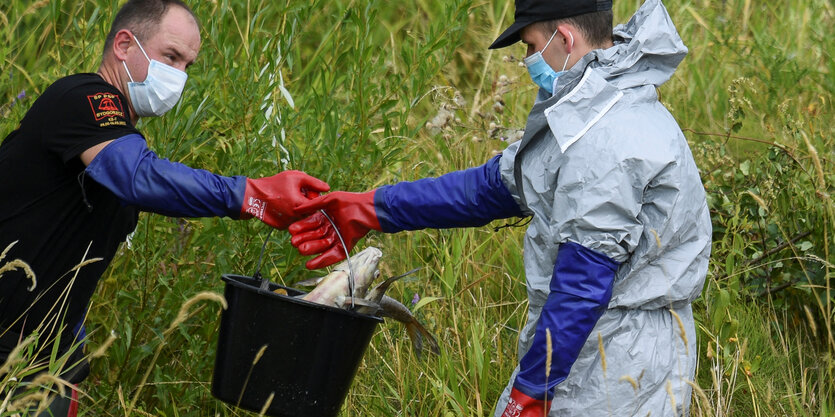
(363, 93)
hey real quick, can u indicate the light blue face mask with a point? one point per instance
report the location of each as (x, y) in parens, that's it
(541, 73)
(161, 89)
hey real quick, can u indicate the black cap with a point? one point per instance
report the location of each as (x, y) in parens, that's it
(532, 11)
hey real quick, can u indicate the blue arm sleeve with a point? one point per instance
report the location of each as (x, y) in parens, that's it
(468, 198)
(138, 177)
(580, 291)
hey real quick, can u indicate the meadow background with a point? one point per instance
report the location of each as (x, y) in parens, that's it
(367, 92)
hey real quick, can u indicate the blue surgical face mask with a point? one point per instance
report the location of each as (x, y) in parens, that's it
(161, 89)
(541, 73)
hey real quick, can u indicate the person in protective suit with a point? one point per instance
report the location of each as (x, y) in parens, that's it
(76, 174)
(618, 243)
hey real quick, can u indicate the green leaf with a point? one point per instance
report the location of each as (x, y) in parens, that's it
(719, 307)
(424, 301)
(745, 167)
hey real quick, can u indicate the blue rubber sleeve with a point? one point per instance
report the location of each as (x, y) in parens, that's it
(468, 198)
(138, 177)
(580, 291)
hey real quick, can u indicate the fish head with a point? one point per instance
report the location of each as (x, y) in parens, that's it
(365, 268)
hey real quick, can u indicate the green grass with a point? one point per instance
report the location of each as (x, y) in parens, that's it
(349, 91)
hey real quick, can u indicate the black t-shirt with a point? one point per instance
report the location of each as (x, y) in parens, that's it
(58, 216)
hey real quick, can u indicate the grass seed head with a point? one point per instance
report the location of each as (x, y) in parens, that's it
(205, 295)
(631, 381)
(103, 348)
(670, 393)
(682, 334)
(602, 353)
(45, 379)
(549, 349)
(18, 264)
(701, 396)
(8, 248)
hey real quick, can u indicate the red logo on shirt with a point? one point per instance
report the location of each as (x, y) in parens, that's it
(105, 105)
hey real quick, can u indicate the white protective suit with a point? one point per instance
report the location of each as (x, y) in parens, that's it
(603, 164)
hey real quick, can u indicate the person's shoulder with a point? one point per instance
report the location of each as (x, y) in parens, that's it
(88, 93)
(80, 84)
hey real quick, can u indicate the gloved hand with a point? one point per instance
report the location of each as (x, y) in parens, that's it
(521, 405)
(354, 215)
(274, 200)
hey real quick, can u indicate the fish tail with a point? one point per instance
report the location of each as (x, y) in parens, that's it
(418, 334)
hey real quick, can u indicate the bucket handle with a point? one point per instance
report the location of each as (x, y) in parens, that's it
(265, 284)
(347, 257)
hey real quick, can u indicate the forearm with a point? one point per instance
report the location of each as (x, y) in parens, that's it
(580, 291)
(138, 177)
(467, 198)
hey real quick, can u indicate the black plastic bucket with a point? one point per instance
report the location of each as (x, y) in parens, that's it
(299, 355)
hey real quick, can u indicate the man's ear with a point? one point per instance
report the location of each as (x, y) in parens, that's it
(567, 33)
(121, 42)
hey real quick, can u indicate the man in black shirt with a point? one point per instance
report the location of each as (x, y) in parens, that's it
(76, 173)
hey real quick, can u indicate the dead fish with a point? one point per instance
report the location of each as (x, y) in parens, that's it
(389, 307)
(336, 284)
(333, 290)
(417, 333)
(377, 292)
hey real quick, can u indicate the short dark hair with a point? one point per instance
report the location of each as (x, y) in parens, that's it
(142, 17)
(596, 26)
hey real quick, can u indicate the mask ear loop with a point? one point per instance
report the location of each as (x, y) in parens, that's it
(143, 53)
(569, 54)
(128, 71)
(550, 39)
(149, 59)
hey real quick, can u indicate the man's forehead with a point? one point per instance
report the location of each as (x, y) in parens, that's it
(527, 32)
(179, 30)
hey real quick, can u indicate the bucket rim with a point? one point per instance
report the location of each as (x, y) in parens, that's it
(233, 280)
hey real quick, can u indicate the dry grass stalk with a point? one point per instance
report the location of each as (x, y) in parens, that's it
(811, 320)
(35, 6)
(8, 248)
(45, 379)
(205, 295)
(672, 397)
(267, 404)
(14, 357)
(181, 317)
(18, 264)
(683, 334)
(758, 199)
(259, 354)
(657, 238)
(85, 263)
(813, 153)
(631, 381)
(549, 349)
(602, 353)
(103, 348)
(26, 401)
(700, 394)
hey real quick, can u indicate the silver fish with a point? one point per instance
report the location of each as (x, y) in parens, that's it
(333, 290)
(336, 284)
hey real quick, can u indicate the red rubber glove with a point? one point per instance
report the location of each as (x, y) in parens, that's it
(274, 200)
(354, 215)
(520, 405)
